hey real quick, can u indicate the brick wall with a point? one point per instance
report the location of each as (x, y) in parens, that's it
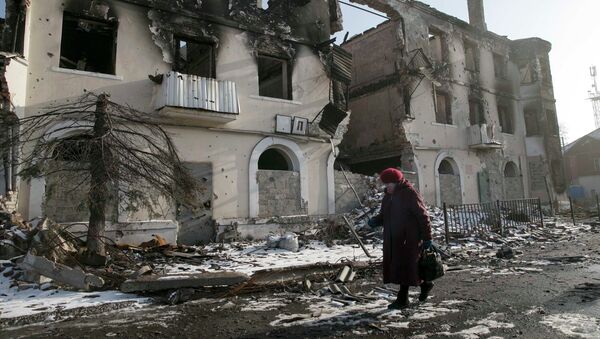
(279, 193)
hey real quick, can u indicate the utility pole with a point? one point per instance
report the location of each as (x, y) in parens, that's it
(594, 96)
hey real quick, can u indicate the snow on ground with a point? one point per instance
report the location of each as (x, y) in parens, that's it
(15, 303)
(575, 325)
(249, 258)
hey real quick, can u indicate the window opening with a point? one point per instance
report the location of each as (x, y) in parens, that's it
(274, 79)
(475, 112)
(527, 73)
(443, 108)
(274, 160)
(75, 149)
(471, 56)
(88, 44)
(436, 45)
(500, 66)
(531, 123)
(195, 58)
(446, 168)
(511, 170)
(506, 119)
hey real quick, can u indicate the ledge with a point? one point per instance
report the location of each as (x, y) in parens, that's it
(282, 101)
(86, 73)
(443, 125)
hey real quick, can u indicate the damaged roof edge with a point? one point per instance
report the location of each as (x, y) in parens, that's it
(151, 5)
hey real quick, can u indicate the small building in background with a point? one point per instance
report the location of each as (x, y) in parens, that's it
(582, 159)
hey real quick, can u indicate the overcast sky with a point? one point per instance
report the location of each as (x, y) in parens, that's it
(573, 28)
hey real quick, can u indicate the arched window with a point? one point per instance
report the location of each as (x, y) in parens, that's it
(274, 160)
(73, 149)
(446, 168)
(511, 170)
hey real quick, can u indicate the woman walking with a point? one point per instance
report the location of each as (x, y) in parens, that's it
(406, 233)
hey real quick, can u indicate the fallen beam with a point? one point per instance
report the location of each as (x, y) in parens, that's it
(74, 277)
(171, 282)
(353, 231)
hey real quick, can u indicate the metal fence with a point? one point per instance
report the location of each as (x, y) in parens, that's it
(470, 219)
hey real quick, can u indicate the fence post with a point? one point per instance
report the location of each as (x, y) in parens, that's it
(572, 212)
(446, 227)
(539, 201)
(598, 205)
(500, 218)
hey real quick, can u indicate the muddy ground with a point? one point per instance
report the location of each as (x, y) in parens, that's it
(487, 298)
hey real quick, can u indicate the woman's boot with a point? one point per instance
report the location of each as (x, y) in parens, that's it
(402, 300)
(425, 289)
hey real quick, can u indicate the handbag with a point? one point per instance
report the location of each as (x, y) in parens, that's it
(431, 266)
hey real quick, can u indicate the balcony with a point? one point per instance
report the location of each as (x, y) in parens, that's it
(484, 137)
(196, 100)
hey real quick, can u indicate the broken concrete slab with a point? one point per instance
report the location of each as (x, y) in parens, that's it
(74, 277)
(173, 282)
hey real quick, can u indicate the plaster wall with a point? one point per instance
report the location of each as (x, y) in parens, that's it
(227, 147)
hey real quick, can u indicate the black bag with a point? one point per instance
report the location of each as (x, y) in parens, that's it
(430, 265)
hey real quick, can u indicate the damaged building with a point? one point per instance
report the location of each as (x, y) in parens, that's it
(253, 93)
(469, 115)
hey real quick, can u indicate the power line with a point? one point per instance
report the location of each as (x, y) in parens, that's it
(365, 10)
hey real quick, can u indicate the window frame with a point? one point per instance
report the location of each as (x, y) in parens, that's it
(469, 44)
(508, 113)
(500, 61)
(448, 108)
(114, 24)
(286, 72)
(213, 55)
(432, 31)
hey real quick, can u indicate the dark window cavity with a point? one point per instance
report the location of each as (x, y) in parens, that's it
(476, 112)
(500, 66)
(531, 123)
(195, 58)
(443, 108)
(471, 56)
(88, 44)
(506, 119)
(274, 78)
(511, 170)
(446, 168)
(528, 75)
(274, 160)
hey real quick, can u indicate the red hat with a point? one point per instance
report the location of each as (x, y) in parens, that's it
(391, 175)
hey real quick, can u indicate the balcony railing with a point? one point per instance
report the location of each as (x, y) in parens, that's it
(484, 137)
(194, 97)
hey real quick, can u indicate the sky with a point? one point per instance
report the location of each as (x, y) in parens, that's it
(573, 30)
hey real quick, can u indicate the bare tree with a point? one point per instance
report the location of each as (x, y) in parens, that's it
(117, 152)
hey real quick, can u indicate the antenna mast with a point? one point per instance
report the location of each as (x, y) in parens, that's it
(594, 96)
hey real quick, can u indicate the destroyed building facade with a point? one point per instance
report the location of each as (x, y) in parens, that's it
(469, 115)
(582, 160)
(252, 94)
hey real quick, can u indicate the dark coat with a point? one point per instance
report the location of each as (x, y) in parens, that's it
(406, 223)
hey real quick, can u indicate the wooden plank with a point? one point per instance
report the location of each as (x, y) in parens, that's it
(353, 231)
(173, 282)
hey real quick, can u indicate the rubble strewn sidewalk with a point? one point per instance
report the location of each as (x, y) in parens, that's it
(40, 270)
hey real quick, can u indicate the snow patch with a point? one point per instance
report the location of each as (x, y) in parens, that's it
(572, 324)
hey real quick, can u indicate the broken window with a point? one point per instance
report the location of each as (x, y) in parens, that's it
(500, 66)
(195, 58)
(552, 122)
(437, 45)
(527, 73)
(531, 123)
(475, 112)
(75, 149)
(274, 160)
(443, 108)
(506, 119)
(471, 56)
(274, 78)
(88, 44)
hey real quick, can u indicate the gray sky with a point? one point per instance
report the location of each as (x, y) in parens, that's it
(572, 29)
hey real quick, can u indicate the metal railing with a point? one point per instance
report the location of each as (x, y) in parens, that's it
(478, 219)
